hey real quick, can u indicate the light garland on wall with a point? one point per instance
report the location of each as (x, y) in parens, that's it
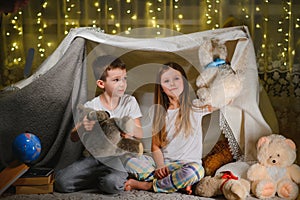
(14, 34)
(115, 16)
(277, 48)
(212, 14)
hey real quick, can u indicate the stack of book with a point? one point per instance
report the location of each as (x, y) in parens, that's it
(35, 181)
(10, 174)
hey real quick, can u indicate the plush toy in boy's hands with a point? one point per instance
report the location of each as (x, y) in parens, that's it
(105, 138)
(275, 171)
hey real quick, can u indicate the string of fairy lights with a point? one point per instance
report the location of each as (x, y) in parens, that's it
(115, 16)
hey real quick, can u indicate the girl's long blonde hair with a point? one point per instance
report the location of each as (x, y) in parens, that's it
(162, 103)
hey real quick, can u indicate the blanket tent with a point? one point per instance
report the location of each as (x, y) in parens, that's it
(45, 103)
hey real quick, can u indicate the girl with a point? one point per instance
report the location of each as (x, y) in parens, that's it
(176, 141)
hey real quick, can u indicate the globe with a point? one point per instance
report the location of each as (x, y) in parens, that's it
(26, 147)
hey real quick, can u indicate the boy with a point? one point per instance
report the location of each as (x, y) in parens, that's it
(90, 173)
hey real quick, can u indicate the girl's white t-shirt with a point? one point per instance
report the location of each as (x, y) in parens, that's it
(188, 149)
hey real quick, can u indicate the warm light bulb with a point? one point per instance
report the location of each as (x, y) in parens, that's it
(134, 17)
(45, 4)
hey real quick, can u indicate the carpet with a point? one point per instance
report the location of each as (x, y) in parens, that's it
(124, 196)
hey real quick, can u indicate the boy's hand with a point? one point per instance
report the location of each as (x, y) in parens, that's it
(161, 172)
(124, 135)
(87, 124)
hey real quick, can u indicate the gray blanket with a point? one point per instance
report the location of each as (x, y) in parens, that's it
(44, 107)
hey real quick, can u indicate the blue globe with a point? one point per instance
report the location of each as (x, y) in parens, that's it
(27, 147)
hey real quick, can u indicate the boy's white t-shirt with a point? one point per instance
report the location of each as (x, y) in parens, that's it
(127, 106)
(188, 149)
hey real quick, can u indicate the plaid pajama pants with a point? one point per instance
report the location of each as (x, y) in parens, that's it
(181, 175)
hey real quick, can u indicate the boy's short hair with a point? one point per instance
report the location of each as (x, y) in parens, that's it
(102, 64)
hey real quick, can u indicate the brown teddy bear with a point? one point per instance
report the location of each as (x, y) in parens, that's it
(105, 138)
(275, 171)
(217, 157)
(229, 183)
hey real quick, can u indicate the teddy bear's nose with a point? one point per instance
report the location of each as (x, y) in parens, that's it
(273, 161)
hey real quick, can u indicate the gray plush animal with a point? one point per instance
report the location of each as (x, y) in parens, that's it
(105, 138)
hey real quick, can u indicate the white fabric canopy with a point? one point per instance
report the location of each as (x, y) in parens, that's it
(241, 121)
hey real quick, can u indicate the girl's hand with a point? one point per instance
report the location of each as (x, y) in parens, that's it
(87, 124)
(161, 172)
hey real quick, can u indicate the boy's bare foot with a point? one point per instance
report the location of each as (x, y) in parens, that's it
(132, 184)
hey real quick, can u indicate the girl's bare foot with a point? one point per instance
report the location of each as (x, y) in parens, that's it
(132, 184)
(187, 190)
